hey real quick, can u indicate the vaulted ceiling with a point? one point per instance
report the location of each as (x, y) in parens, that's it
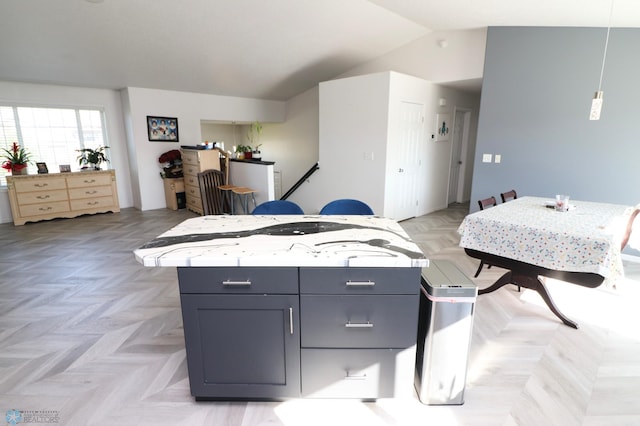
(271, 49)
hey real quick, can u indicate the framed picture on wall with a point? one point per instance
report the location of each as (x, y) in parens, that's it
(162, 129)
(442, 127)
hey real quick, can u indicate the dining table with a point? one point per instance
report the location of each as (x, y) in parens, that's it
(531, 240)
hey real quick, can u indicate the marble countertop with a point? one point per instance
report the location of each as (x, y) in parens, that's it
(284, 240)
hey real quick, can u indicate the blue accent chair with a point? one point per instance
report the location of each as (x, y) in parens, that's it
(277, 207)
(348, 207)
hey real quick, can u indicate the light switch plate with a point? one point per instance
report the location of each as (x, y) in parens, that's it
(497, 158)
(486, 158)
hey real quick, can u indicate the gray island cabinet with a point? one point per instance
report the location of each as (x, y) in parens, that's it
(279, 307)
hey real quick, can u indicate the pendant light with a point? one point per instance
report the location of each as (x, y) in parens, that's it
(596, 102)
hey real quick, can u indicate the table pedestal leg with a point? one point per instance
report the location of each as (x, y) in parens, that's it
(532, 283)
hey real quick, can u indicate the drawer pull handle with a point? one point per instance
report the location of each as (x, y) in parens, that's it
(291, 320)
(90, 192)
(40, 185)
(93, 203)
(230, 283)
(350, 376)
(43, 197)
(44, 209)
(89, 181)
(360, 283)
(358, 324)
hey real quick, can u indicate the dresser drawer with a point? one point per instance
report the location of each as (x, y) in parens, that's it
(194, 204)
(44, 208)
(89, 180)
(238, 280)
(92, 203)
(357, 373)
(192, 191)
(90, 192)
(191, 180)
(360, 280)
(42, 197)
(348, 321)
(39, 184)
(190, 157)
(190, 169)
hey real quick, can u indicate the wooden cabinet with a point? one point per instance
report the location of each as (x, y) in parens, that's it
(174, 193)
(195, 161)
(242, 332)
(59, 195)
(288, 332)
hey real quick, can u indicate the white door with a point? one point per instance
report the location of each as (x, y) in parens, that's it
(411, 133)
(459, 138)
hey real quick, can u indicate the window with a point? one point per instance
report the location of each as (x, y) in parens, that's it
(51, 135)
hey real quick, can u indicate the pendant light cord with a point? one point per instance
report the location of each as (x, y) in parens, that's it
(606, 45)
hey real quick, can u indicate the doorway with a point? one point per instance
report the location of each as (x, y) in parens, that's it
(459, 148)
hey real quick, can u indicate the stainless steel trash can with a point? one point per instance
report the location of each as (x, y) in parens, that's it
(444, 333)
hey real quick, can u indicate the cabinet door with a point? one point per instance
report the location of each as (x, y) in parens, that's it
(242, 346)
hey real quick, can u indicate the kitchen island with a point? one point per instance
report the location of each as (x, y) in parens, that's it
(295, 306)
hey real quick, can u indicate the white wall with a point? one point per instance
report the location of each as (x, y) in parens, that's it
(462, 59)
(342, 147)
(51, 95)
(293, 144)
(190, 109)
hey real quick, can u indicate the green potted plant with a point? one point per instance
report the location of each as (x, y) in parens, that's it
(243, 152)
(16, 159)
(253, 135)
(92, 158)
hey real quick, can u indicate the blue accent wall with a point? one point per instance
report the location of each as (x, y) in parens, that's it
(534, 112)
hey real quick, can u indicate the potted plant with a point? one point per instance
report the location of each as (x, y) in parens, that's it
(16, 159)
(253, 135)
(243, 152)
(256, 154)
(92, 158)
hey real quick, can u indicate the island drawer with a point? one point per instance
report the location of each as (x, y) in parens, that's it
(360, 280)
(350, 321)
(238, 280)
(357, 373)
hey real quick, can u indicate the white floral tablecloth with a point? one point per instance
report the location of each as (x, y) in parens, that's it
(586, 238)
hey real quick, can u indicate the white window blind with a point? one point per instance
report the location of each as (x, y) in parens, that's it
(51, 135)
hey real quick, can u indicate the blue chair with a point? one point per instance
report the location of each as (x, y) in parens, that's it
(277, 207)
(347, 206)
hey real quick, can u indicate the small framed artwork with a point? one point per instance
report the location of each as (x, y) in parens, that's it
(162, 129)
(65, 168)
(442, 127)
(42, 168)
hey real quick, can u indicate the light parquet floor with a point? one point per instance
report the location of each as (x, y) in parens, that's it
(90, 336)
